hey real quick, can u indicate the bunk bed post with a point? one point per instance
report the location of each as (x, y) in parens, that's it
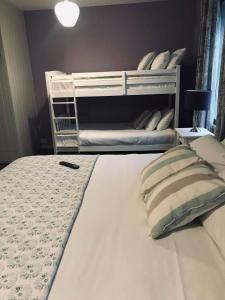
(124, 76)
(177, 98)
(76, 120)
(48, 78)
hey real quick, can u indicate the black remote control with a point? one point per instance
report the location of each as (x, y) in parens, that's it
(69, 165)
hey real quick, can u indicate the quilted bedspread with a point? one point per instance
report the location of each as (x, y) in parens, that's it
(39, 202)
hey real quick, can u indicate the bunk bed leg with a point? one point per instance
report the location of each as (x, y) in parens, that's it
(48, 78)
(77, 121)
(177, 99)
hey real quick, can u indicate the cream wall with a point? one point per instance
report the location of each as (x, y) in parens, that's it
(20, 99)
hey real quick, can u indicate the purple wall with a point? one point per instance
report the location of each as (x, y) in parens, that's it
(110, 38)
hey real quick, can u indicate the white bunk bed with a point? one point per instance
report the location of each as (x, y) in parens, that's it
(65, 130)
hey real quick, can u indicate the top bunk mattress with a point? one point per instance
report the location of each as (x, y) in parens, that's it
(114, 134)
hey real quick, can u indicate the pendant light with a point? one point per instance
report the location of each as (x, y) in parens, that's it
(67, 13)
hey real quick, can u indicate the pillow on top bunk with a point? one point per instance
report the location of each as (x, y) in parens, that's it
(167, 117)
(142, 120)
(146, 61)
(161, 61)
(210, 150)
(176, 58)
(153, 121)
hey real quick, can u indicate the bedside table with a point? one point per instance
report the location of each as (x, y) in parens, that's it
(185, 136)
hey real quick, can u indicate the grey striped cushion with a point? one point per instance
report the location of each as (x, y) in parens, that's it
(182, 197)
(166, 165)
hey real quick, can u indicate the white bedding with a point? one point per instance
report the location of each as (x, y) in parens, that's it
(110, 256)
(114, 134)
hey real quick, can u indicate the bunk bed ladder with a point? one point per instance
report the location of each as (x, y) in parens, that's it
(65, 128)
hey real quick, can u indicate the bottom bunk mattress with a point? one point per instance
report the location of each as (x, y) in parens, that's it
(114, 134)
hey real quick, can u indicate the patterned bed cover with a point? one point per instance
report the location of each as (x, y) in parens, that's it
(39, 202)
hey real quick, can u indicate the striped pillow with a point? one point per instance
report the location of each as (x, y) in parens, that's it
(181, 198)
(171, 162)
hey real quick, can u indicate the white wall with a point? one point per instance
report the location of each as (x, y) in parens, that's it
(23, 108)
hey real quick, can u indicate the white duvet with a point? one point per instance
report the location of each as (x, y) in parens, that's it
(110, 255)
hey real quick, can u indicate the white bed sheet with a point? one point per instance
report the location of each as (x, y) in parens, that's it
(110, 255)
(123, 134)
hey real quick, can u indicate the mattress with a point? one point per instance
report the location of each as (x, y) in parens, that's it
(110, 254)
(114, 134)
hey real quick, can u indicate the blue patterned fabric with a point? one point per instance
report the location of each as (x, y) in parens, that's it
(39, 202)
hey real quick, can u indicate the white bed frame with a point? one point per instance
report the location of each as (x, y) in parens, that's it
(124, 83)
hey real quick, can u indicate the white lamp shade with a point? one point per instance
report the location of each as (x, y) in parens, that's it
(67, 13)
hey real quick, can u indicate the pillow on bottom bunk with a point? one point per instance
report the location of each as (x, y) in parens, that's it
(167, 117)
(142, 120)
(153, 121)
(182, 197)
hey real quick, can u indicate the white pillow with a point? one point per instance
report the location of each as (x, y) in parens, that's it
(214, 223)
(146, 61)
(154, 120)
(176, 58)
(144, 117)
(167, 117)
(140, 118)
(161, 61)
(210, 150)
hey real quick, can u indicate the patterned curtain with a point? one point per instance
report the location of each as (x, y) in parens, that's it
(220, 126)
(208, 52)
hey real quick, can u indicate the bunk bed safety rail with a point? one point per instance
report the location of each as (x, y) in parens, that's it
(99, 84)
(151, 82)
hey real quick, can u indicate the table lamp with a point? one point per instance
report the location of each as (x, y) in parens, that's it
(196, 101)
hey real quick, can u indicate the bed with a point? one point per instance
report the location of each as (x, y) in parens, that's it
(104, 137)
(84, 235)
(76, 86)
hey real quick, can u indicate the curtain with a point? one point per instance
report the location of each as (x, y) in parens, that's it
(220, 126)
(209, 53)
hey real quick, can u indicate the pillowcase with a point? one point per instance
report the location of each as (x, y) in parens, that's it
(176, 58)
(214, 223)
(153, 121)
(161, 61)
(168, 164)
(167, 117)
(146, 61)
(210, 150)
(182, 197)
(142, 120)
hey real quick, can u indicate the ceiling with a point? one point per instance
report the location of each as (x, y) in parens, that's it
(48, 4)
